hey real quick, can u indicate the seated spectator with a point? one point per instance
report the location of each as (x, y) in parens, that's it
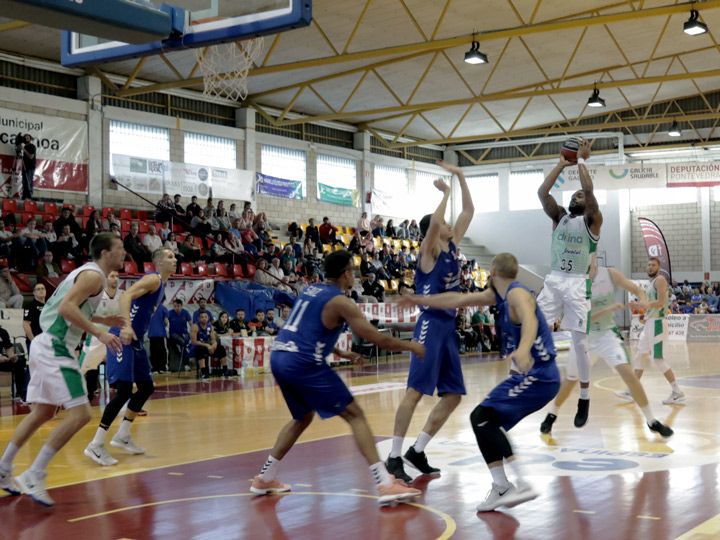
(190, 249)
(395, 267)
(134, 246)
(275, 269)
(289, 271)
(328, 233)
(209, 207)
(390, 229)
(368, 244)
(219, 251)
(7, 237)
(259, 325)
(463, 328)
(236, 228)
(402, 230)
(355, 243)
(233, 214)
(222, 325)
(205, 344)
(15, 363)
(696, 298)
(201, 226)
(262, 276)
(115, 229)
(109, 219)
(238, 325)
(47, 267)
(461, 256)
(261, 227)
(66, 245)
(165, 230)
(10, 295)
(250, 241)
(312, 232)
(295, 230)
(213, 220)
(223, 219)
(271, 326)
(66, 218)
(363, 224)
(480, 322)
(152, 240)
(93, 225)
(31, 246)
(288, 255)
(233, 245)
(377, 267)
(371, 287)
(703, 308)
(179, 211)
(404, 288)
(414, 231)
(172, 245)
(296, 246)
(192, 209)
(377, 226)
(202, 308)
(284, 314)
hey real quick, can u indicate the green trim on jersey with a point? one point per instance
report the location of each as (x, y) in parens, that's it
(654, 313)
(657, 343)
(572, 246)
(74, 381)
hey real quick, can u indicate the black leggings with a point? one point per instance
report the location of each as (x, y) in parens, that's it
(124, 394)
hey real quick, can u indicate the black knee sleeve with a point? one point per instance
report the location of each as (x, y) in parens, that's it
(138, 399)
(494, 444)
(123, 391)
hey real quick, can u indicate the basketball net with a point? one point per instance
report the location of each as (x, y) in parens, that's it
(225, 67)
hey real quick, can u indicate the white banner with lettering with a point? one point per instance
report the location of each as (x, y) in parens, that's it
(187, 290)
(637, 175)
(388, 313)
(706, 173)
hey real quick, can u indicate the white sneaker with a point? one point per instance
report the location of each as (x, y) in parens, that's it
(625, 396)
(32, 483)
(494, 498)
(7, 483)
(99, 455)
(127, 444)
(675, 398)
(518, 494)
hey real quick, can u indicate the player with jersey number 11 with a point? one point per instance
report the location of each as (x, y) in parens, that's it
(568, 288)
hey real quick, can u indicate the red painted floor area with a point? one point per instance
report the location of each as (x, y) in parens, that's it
(332, 485)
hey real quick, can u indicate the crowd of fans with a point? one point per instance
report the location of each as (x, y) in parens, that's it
(701, 299)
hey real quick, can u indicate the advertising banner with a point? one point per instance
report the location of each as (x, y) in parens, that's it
(339, 196)
(656, 246)
(187, 290)
(704, 328)
(677, 327)
(61, 149)
(388, 313)
(699, 174)
(630, 176)
(278, 187)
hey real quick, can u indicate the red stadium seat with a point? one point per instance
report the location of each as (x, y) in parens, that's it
(124, 226)
(221, 270)
(9, 206)
(30, 206)
(237, 271)
(201, 269)
(67, 266)
(125, 214)
(51, 209)
(148, 267)
(143, 226)
(130, 268)
(106, 211)
(186, 269)
(87, 210)
(251, 271)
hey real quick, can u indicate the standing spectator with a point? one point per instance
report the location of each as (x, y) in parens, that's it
(178, 320)
(13, 362)
(371, 287)
(157, 333)
(10, 295)
(202, 308)
(312, 232)
(238, 325)
(31, 315)
(328, 233)
(390, 231)
(46, 267)
(193, 209)
(134, 246)
(29, 162)
(179, 210)
(414, 231)
(363, 224)
(152, 240)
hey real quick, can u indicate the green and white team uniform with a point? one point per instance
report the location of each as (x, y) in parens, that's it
(604, 337)
(567, 291)
(653, 333)
(94, 351)
(55, 376)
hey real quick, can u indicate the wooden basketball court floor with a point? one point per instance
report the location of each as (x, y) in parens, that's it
(613, 479)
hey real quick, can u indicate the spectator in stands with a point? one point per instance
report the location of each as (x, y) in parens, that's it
(703, 308)
(412, 257)
(377, 267)
(414, 231)
(271, 326)
(295, 230)
(402, 230)
(115, 229)
(202, 308)
(288, 255)
(463, 328)
(363, 224)
(165, 230)
(47, 267)
(31, 315)
(66, 245)
(713, 300)
(190, 249)
(365, 267)
(93, 225)
(193, 209)
(134, 246)
(289, 272)
(250, 241)
(262, 276)
(222, 218)
(66, 218)
(209, 207)
(110, 218)
(157, 333)
(377, 226)
(152, 240)
(10, 295)
(296, 246)
(355, 243)
(31, 246)
(395, 267)
(675, 307)
(233, 245)
(233, 213)
(172, 245)
(222, 325)
(178, 319)
(49, 233)
(261, 227)
(312, 232)
(284, 314)
(7, 236)
(179, 211)
(236, 228)
(259, 325)
(328, 233)
(238, 325)
(201, 226)
(480, 322)
(371, 287)
(275, 269)
(696, 298)
(390, 231)
(14, 362)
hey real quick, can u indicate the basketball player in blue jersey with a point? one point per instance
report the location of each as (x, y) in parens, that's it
(529, 343)
(438, 270)
(567, 290)
(131, 364)
(310, 385)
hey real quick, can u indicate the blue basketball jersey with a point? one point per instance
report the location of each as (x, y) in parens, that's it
(444, 277)
(543, 349)
(304, 332)
(142, 309)
(204, 333)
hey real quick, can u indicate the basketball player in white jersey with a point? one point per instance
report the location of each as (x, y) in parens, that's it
(650, 344)
(604, 342)
(55, 378)
(567, 290)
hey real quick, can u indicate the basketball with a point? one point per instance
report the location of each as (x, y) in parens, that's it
(570, 149)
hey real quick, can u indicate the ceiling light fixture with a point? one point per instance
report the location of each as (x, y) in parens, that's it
(475, 55)
(595, 100)
(674, 130)
(693, 26)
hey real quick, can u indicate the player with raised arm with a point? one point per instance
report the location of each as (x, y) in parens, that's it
(310, 385)
(535, 380)
(438, 270)
(604, 342)
(567, 290)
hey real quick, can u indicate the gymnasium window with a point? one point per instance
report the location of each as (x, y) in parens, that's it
(662, 196)
(600, 195)
(286, 163)
(522, 190)
(485, 191)
(425, 196)
(393, 183)
(337, 172)
(716, 193)
(137, 140)
(210, 151)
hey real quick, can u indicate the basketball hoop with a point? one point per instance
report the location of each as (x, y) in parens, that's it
(225, 67)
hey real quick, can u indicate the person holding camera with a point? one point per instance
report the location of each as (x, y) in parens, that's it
(25, 150)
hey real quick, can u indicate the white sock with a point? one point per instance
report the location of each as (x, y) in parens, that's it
(584, 393)
(380, 474)
(43, 458)
(422, 441)
(11, 451)
(498, 476)
(676, 387)
(553, 408)
(647, 411)
(269, 470)
(99, 438)
(515, 466)
(397, 446)
(124, 431)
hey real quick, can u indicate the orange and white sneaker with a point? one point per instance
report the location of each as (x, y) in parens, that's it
(265, 487)
(396, 492)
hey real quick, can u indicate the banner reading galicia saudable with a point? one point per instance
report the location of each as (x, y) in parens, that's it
(62, 149)
(335, 195)
(656, 246)
(278, 187)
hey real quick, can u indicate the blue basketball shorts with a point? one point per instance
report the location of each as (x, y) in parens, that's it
(309, 387)
(521, 395)
(130, 364)
(440, 368)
